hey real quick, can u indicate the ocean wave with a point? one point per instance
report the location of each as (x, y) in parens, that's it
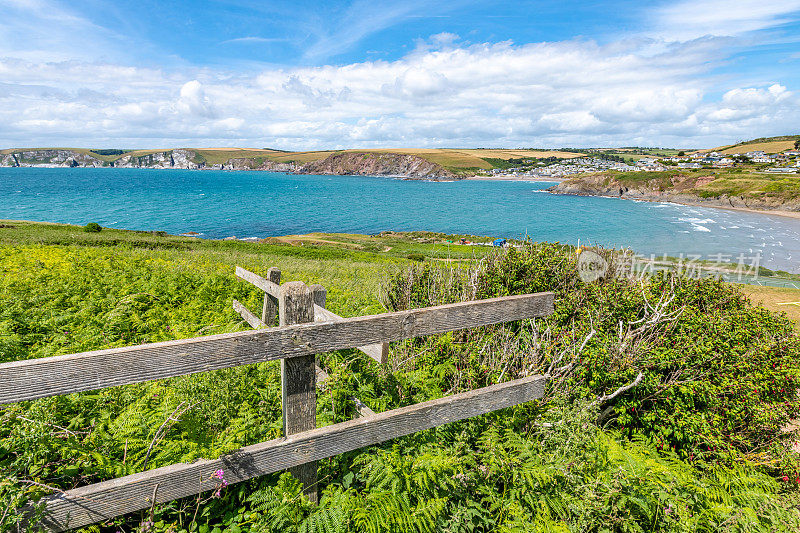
(698, 220)
(700, 228)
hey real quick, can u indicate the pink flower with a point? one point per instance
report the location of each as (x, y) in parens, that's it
(785, 478)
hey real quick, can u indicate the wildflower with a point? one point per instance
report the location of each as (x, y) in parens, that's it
(668, 509)
(785, 478)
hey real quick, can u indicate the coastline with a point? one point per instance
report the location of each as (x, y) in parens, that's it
(776, 212)
(508, 177)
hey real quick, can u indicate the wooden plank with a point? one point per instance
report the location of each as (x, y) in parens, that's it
(299, 380)
(248, 316)
(270, 287)
(322, 376)
(63, 374)
(270, 308)
(362, 408)
(102, 501)
(379, 351)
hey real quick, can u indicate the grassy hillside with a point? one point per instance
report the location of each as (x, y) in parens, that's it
(770, 145)
(770, 190)
(455, 160)
(695, 447)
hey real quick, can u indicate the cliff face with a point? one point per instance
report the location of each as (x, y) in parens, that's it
(378, 164)
(250, 163)
(680, 189)
(180, 158)
(358, 163)
(50, 157)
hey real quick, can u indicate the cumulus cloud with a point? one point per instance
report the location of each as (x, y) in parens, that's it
(569, 93)
(193, 100)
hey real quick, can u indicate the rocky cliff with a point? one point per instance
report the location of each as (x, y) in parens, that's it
(679, 188)
(357, 163)
(378, 164)
(51, 157)
(180, 158)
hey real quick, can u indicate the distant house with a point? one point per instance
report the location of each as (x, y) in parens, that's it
(783, 170)
(792, 152)
(648, 163)
(725, 162)
(690, 165)
(763, 158)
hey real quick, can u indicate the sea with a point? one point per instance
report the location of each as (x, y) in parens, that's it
(219, 204)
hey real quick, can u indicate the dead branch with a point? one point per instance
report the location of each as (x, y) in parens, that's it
(624, 388)
(174, 417)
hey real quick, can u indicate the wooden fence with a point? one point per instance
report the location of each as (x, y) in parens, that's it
(306, 328)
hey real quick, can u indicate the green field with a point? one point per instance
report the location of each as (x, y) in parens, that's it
(696, 445)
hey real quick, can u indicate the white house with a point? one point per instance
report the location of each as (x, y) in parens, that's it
(783, 170)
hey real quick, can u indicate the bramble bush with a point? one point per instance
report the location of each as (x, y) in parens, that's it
(719, 375)
(92, 227)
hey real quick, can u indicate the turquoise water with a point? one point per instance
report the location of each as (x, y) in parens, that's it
(260, 204)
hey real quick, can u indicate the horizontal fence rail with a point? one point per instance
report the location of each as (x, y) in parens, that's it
(271, 288)
(108, 499)
(379, 351)
(50, 376)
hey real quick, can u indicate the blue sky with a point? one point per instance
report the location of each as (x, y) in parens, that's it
(308, 75)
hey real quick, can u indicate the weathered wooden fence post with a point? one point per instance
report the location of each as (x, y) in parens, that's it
(270, 309)
(298, 379)
(319, 294)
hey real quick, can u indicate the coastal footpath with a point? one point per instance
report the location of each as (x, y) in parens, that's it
(750, 191)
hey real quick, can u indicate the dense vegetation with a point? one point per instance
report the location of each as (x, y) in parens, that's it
(693, 445)
(110, 151)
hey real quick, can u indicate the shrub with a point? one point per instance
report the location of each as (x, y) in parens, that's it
(92, 227)
(719, 375)
(416, 257)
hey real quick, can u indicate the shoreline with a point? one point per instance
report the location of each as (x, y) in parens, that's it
(775, 212)
(507, 177)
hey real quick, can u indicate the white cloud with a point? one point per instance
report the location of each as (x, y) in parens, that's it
(193, 100)
(690, 19)
(443, 93)
(546, 94)
(43, 31)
